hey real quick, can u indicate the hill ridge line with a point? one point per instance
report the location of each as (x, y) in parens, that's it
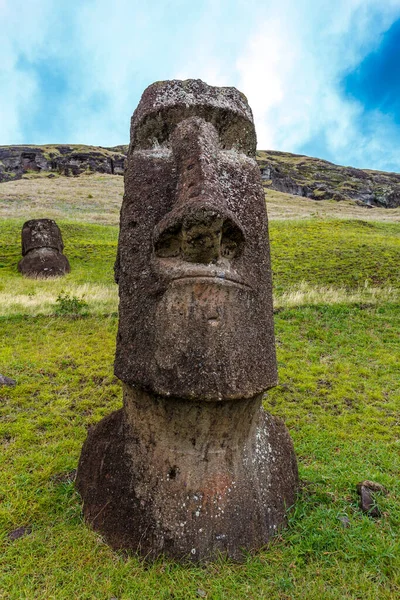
(296, 174)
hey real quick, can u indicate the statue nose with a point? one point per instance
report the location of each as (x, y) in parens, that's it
(203, 236)
(200, 228)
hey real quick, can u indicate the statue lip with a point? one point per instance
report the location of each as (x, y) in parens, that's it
(221, 278)
(219, 273)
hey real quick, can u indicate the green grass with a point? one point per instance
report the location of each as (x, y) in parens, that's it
(335, 252)
(340, 405)
(338, 393)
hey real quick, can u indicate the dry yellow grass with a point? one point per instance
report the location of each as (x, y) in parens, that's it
(39, 297)
(306, 294)
(286, 206)
(91, 198)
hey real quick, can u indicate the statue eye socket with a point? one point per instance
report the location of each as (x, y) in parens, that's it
(153, 133)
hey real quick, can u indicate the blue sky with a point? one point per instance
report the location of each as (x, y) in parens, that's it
(322, 77)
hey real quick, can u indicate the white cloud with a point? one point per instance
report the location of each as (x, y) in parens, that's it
(18, 89)
(291, 69)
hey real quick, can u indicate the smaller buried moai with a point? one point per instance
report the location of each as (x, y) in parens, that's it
(192, 465)
(42, 250)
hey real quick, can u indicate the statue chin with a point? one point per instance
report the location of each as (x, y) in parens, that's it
(203, 335)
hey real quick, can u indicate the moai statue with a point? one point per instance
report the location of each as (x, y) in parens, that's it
(42, 250)
(192, 465)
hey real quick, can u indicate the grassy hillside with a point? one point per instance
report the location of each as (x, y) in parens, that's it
(313, 261)
(281, 171)
(90, 198)
(336, 286)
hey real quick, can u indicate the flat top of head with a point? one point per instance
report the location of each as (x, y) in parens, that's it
(41, 233)
(192, 92)
(40, 223)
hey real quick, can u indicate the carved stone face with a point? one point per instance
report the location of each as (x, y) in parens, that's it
(193, 259)
(41, 233)
(42, 250)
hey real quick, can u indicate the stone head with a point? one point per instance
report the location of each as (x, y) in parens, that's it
(193, 266)
(41, 233)
(42, 250)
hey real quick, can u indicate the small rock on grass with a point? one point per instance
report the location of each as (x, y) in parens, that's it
(7, 381)
(19, 532)
(367, 502)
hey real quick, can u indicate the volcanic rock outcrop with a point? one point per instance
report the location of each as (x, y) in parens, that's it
(42, 250)
(289, 173)
(15, 161)
(192, 465)
(322, 180)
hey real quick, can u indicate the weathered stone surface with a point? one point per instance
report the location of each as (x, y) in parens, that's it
(41, 233)
(374, 486)
(42, 250)
(165, 104)
(192, 465)
(367, 502)
(20, 532)
(186, 478)
(193, 259)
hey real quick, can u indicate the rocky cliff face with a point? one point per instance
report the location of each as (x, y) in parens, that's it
(321, 180)
(66, 160)
(290, 173)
